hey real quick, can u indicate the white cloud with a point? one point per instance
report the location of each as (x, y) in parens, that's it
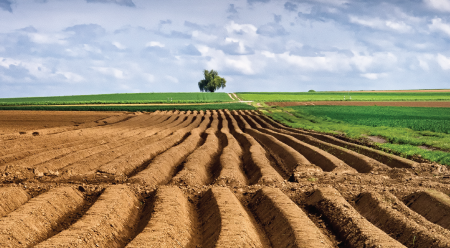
(109, 71)
(438, 25)
(441, 5)
(119, 45)
(221, 61)
(154, 44)
(373, 76)
(233, 28)
(149, 77)
(200, 36)
(48, 38)
(377, 23)
(72, 77)
(172, 79)
(443, 61)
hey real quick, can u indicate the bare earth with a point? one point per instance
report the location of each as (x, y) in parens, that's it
(207, 179)
(369, 103)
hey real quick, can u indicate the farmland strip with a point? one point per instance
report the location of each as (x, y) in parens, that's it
(115, 148)
(285, 223)
(290, 160)
(361, 163)
(316, 156)
(46, 131)
(130, 161)
(109, 222)
(226, 223)
(172, 222)
(232, 172)
(84, 139)
(197, 168)
(39, 217)
(383, 157)
(389, 214)
(349, 225)
(433, 205)
(11, 198)
(97, 145)
(163, 167)
(256, 162)
(118, 153)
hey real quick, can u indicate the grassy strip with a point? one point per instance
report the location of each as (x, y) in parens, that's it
(416, 118)
(229, 106)
(120, 98)
(401, 140)
(339, 96)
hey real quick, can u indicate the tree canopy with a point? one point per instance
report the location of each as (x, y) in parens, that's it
(212, 81)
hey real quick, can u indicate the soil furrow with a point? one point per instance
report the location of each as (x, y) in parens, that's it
(172, 222)
(94, 161)
(285, 223)
(226, 223)
(256, 161)
(163, 167)
(232, 173)
(130, 161)
(71, 136)
(197, 169)
(291, 161)
(431, 204)
(110, 222)
(112, 146)
(361, 163)
(315, 155)
(83, 140)
(383, 211)
(12, 198)
(49, 131)
(38, 219)
(390, 160)
(349, 225)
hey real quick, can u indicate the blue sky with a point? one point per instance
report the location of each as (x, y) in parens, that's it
(71, 47)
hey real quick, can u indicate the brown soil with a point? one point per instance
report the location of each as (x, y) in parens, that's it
(208, 179)
(355, 103)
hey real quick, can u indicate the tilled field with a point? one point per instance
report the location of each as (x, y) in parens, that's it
(212, 179)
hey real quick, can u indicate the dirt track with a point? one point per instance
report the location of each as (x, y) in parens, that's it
(208, 179)
(355, 103)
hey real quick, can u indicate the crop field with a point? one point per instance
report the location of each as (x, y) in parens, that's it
(343, 96)
(409, 132)
(120, 99)
(214, 178)
(419, 119)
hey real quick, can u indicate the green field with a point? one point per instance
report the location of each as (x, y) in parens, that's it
(404, 128)
(229, 106)
(339, 96)
(418, 119)
(119, 99)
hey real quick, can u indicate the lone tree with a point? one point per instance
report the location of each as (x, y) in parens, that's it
(212, 82)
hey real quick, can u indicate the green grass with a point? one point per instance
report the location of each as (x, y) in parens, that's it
(401, 139)
(418, 119)
(229, 106)
(119, 99)
(339, 96)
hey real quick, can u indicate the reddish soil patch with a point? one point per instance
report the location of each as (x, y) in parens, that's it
(351, 103)
(22, 121)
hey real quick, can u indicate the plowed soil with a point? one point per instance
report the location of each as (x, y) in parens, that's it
(356, 103)
(207, 179)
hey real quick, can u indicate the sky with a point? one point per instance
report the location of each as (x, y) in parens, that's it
(74, 47)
